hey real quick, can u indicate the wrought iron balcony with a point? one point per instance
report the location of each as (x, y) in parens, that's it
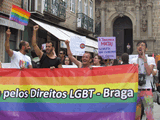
(84, 23)
(56, 9)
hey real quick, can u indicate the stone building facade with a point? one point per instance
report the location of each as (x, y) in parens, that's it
(16, 29)
(129, 21)
(69, 17)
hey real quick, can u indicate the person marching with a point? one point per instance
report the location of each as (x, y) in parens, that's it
(86, 58)
(48, 59)
(145, 95)
(18, 59)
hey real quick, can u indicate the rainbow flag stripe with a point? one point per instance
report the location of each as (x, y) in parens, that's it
(19, 15)
(70, 93)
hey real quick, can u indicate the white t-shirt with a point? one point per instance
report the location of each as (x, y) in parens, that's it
(18, 59)
(150, 61)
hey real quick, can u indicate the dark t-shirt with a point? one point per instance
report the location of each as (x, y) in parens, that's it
(63, 62)
(158, 67)
(47, 62)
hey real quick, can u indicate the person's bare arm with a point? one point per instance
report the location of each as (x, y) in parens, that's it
(149, 68)
(7, 45)
(38, 52)
(73, 59)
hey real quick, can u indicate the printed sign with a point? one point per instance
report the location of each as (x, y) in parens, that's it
(107, 47)
(77, 45)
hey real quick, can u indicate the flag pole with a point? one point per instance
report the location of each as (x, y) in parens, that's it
(9, 18)
(10, 15)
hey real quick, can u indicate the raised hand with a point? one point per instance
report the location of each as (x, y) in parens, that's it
(143, 54)
(8, 33)
(35, 28)
(67, 42)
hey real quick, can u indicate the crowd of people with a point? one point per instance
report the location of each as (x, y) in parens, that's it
(49, 59)
(146, 65)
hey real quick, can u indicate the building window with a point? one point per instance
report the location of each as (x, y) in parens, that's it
(35, 5)
(79, 6)
(86, 7)
(24, 5)
(91, 9)
(72, 5)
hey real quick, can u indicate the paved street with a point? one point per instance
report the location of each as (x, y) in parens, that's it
(156, 112)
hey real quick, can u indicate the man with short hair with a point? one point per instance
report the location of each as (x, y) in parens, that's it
(48, 59)
(62, 56)
(18, 59)
(86, 58)
(145, 66)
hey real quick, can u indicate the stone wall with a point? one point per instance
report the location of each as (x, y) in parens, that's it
(156, 25)
(2, 40)
(7, 4)
(145, 17)
(5, 8)
(71, 18)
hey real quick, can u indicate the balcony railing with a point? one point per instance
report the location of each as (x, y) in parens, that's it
(55, 8)
(84, 22)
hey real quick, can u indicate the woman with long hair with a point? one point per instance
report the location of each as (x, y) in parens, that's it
(115, 62)
(97, 61)
(67, 61)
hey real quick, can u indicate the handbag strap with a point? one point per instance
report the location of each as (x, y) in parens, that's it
(153, 88)
(139, 66)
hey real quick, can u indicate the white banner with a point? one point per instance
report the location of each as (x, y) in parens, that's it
(69, 66)
(11, 24)
(6, 65)
(77, 45)
(134, 56)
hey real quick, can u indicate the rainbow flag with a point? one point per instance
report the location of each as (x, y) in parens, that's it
(19, 15)
(105, 93)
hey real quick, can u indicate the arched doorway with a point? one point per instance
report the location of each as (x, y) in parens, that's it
(122, 30)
